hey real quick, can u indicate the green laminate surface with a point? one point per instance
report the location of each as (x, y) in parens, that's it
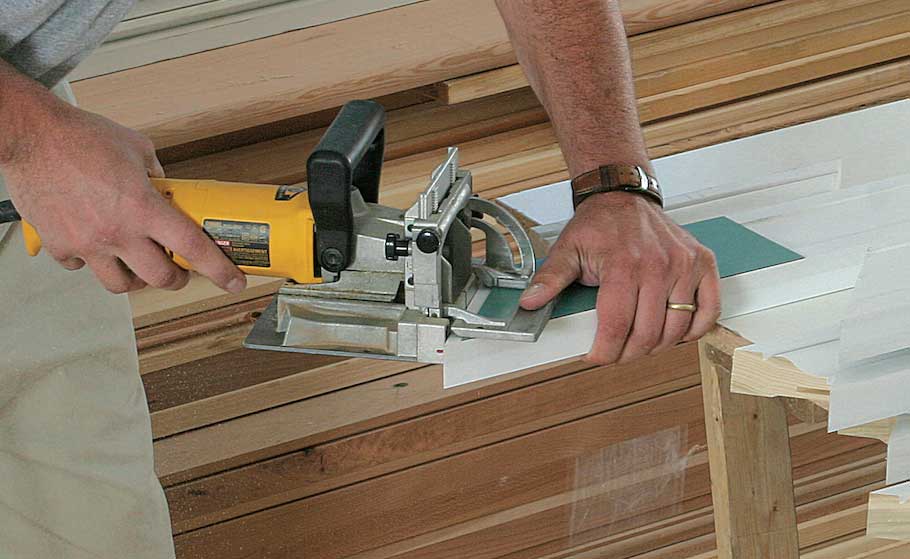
(738, 250)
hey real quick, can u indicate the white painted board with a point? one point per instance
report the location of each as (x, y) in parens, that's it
(810, 187)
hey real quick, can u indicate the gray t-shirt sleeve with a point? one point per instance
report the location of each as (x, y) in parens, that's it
(46, 39)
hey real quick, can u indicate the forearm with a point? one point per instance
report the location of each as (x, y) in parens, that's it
(24, 106)
(576, 57)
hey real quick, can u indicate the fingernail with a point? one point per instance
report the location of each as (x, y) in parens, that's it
(532, 291)
(237, 285)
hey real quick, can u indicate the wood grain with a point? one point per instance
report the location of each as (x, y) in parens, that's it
(409, 131)
(320, 375)
(781, 75)
(297, 425)
(390, 508)
(154, 306)
(749, 451)
(323, 467)
(223, 374)
(533, 518)
(646, 15)
(299, 72)
(702, 51)
(889, 518)
(333, 464)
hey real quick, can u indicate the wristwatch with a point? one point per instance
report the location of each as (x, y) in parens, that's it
(619, 177)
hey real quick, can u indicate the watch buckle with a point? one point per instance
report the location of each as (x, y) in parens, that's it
(642, 181)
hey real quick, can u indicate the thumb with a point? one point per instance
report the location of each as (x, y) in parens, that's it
(559, 270)
(153, 166)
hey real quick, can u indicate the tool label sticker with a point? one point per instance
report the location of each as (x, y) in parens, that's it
(246, 243)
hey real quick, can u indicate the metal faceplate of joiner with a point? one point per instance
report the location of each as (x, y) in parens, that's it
(411, 280)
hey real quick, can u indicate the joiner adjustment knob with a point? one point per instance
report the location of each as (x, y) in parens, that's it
(395, 246)
(427, 241)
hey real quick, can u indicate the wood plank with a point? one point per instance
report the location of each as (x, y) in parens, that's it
(337, 414)
(264, 80)
(295, 155)
(240, 313)
(517, 533)
(322, 467)
(196, 336)
(772, 376)
(749, 452)
(710, 37)
(154, 306)
(398, 505)
(819, 522)
(778, 76)
(295, 73)
(719, 47)
(862, 548)
(739, 31)
(526, 522)
(515, 530)
(205, 25)
(889, 513)
(646, 15)
(305, 382)
(411, 130)
(782, 108)
(280, 128)
(192, 348)
(837, 29)
(838, 473)
(222, 374)
(611, 541)
(298, 425)
(336, 463)
(484, 84)
(839, 522)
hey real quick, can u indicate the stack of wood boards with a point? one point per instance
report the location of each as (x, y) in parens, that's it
(845, 347)
(280, 455)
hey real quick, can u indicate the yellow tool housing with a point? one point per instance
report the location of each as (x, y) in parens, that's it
(266, 230)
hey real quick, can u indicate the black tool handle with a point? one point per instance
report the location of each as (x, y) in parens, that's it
(8, 213)
(348, 156)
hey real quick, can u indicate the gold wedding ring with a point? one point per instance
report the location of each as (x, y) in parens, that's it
(682, 307)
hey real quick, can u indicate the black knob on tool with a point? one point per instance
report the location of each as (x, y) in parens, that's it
(427, 241)
(332, 259)
(395, 246)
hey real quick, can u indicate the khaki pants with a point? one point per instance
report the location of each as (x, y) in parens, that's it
(76, 470)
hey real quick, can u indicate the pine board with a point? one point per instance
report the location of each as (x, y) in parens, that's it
(295, 73)
(739, 42)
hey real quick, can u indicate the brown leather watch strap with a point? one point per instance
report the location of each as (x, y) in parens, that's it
(616, 178)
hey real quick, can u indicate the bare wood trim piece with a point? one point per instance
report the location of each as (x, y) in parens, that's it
(751, 473)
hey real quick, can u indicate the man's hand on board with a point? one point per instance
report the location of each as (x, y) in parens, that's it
(642, 261)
